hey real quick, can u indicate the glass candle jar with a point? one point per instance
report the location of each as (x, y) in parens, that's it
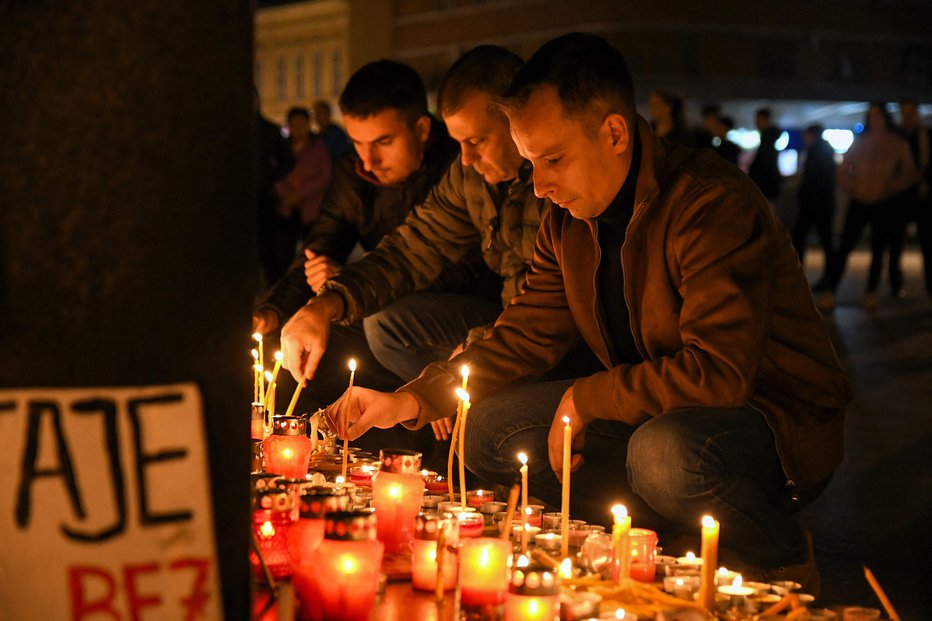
(470, 524)
(475, 498)
(643, 548)
(341, 581)
(428, 527)
(288, 449)
(483, 573)
(397, 491)
(257, 422)
(533, 595)
(315, 502)
(435, 483)
(271, 522)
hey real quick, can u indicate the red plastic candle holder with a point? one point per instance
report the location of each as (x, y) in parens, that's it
(533, 595)
(341, 582)
(483, 574)
(475, 498)
(271, 522)
(424, 556)
(435, 483)
(257, 422)
(397, 491)
(288, 449)
(307, 533)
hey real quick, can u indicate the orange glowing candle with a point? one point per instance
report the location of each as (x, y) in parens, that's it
(256, 380)
(349, 400)
(621, 566)
(522, 457)
(565, 509)
(484, 572)
(269, 401)
(710, 529)
(294, 397)
(464, 407)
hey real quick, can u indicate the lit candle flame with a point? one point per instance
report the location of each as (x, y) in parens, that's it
(286, 453)
(690, 557)
(620, 613)
(352, 365)
(278, 356)
(524, 561)
(708, 521)
(484, 557)
(566, 420)
(620, 512)
(464, 371)
(680, 582)
(737, 582)
(528, 511)
(257, 337)
(268, 376)
(522, 457)
(267, 530)
(394, 491)
(255, 354)
(348, 564)
(339, 480)
(257, 367)
(462, 395)
(722, 571)
(566, 568)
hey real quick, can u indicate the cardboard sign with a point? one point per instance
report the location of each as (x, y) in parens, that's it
(105, 509)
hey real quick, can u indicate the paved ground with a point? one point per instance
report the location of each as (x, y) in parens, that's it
(878, 509)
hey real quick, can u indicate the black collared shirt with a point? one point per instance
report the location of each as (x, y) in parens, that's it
(612, 226)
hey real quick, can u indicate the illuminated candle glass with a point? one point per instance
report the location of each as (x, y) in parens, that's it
(435, 483)
(475, 498)
(470, 524)
(397, 491)
(314, 503)
(288, 449)
(483, 575)
(261, 481)
(271, 522)
(643, 545)
(620, 530)
(342, 578)
(257, 422)
(362, 475)
(424, 556)
(710, 530)
(533, 595)
(256, 459)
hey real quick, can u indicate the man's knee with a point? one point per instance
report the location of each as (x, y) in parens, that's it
(663, 462)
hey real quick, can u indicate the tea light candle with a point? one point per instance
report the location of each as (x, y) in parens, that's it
(710, 531)
(683, 587)
(431, 501)
(445, 506)
(620, 544)
(737, 592)
(549, 542)
(619, 615)
(470, 524)
(579, 605)
(723, 577)
(424, 555)
(491, 507)
(288, 450)
(362, 475)
(551, 520)
(483, 572)
(476, 497)
(690, 560)
(533, 595)
(434, 482)
(578, 534)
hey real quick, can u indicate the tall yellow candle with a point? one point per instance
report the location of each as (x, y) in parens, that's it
(349, 399)
(269, 404)
(260, 373)
(710, 528)
(565, 508)
(453, 440)
(464, 372)
(256, 379)
(464, 408)
(622, 567)
(277, 367)
(294, 397)
(258, 339)
(524, 532)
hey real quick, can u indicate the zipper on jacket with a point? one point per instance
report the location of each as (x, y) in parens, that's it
(599, 309)
(634, 333)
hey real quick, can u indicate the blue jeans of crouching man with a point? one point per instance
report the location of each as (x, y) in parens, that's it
(668, 471)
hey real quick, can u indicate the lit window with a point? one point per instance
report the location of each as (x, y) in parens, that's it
(299, 77)
(282, 78)
(337, 73)
(318, 75)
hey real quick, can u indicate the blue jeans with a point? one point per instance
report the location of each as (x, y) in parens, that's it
(422, 328)
(668, 471)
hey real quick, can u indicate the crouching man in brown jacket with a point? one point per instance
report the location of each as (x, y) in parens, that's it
(721, 393)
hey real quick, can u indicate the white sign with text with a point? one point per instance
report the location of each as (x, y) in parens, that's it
(105, 509)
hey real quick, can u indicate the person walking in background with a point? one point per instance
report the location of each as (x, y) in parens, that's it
(334, 137)
(275, 161)
(716, 127)
(668, 117)
(764, 170)
(918, 198)
(875, 171)
(816, 195)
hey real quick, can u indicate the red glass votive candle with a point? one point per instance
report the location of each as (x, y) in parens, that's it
(483, 574)
(315, 502)
(424, 556)
(362, 475)
(470, 524)
(342, 578)
(533, 595)
(397, 491)
(643, 550)
(435, 483)
(288, 449)
(257, 422)
(476, 497)
(271, 521)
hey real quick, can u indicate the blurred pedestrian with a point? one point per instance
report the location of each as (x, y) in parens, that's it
(275, 161)
(717, 127)
(816, 195)
(333, 135)
(875, 171)
(668, 117)
(918, 198)
(764, 170)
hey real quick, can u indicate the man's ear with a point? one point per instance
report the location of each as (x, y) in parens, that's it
(619, 132)
(422, 128)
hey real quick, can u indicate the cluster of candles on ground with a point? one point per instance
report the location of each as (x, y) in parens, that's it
(331, 537)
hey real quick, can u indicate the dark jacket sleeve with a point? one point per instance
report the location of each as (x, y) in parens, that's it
(435, 234)
(529, 338)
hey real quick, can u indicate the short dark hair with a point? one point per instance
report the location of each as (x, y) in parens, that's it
(887, 117)
(299, 111)
(486, 69)
(764, 112)
(381, 85)
(815, 129)
(584, 68)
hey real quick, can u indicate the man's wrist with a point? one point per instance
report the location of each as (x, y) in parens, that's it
(331, 304)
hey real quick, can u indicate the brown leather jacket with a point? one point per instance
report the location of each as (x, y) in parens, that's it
(720, 312)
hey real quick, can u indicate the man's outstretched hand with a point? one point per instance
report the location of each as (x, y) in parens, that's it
(369, 409)
(304, 337)
(566, 408)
